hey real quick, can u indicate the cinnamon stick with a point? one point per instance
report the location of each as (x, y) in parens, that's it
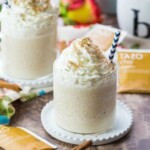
(4, 84)
(83, 146)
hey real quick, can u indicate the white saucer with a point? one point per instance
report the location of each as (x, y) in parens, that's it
(123, 124)
(37, 83)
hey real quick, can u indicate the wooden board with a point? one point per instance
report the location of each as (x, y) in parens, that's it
(28, 116)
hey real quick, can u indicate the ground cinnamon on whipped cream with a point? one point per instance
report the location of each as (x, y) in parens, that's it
(34, 5)
(27, 13)
(83, 61)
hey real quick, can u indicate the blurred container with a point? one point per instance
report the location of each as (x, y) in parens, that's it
(134, 17)
(107, 6)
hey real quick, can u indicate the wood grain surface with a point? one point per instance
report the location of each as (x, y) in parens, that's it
(28, 116)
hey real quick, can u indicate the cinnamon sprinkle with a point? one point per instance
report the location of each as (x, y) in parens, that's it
(74, 64)
(91, 47)
(36, 5)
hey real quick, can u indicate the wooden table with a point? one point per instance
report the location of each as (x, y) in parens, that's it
(28, 116)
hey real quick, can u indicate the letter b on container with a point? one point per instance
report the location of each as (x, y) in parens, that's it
(134, 17)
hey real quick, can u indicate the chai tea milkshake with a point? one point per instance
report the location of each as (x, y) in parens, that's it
(29, 38)
(84, 89)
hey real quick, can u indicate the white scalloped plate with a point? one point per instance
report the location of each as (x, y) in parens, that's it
(123, 123)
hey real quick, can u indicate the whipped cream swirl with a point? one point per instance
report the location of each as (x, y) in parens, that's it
(29, 13)
(83, 61)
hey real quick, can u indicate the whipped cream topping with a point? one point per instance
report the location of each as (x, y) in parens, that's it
(83, 62)
(29, 13)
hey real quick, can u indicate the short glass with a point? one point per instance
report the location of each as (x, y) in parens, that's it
(85, 108)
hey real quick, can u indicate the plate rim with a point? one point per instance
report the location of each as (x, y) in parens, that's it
(96, 141)
(34, 83)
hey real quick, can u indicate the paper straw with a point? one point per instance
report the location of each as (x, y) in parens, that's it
(6, 3)
(114, 45)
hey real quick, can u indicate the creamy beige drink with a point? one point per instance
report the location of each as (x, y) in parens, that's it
(84, 89)
(29, 38)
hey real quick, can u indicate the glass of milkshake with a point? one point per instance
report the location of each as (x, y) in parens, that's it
(84, 89)
(29, 38)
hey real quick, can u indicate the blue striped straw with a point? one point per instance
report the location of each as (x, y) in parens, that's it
(114, 45)
(6, 3)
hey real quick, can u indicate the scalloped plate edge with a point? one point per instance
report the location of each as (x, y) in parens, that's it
(96, 140)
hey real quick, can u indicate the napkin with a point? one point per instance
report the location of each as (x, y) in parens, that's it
(8, 96)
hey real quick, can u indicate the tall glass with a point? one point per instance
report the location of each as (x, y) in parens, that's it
(28, 52)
